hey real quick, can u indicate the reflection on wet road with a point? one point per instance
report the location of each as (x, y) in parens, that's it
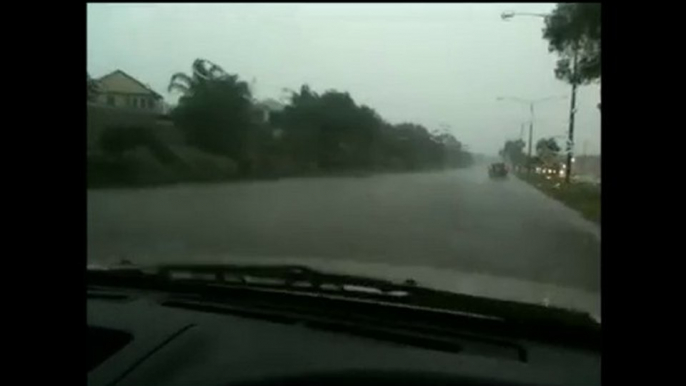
(458, 220)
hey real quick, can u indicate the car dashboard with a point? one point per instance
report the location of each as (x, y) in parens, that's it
(149, 338)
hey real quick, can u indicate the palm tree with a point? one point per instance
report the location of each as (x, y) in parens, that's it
(203, 70)
(206, 72)
(214, 110)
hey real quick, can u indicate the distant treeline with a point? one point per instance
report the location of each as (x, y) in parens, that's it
(230, 135)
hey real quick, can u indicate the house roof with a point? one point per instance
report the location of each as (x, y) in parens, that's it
(124, 74)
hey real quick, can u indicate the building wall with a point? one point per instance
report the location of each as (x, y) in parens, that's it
(131, 101)
(118, 82)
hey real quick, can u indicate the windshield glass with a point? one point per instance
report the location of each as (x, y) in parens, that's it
(456, 145)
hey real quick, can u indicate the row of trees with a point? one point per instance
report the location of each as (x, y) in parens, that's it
(547, 151)
(326, 132)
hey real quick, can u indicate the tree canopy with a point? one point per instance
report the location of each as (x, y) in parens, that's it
(575, 27)
(513, 150)
(214, 110)
(547, 149)
(313, 131)
(329, 130)
(332, 131)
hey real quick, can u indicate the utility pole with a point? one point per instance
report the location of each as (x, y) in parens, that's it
(531, 137)
(521, 132)
(572, 111)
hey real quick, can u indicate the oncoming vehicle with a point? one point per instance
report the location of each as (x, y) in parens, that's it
(497, 170)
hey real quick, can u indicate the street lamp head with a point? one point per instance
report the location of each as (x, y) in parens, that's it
(507, 15)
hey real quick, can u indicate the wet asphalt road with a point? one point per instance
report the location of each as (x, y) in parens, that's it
(458, 220)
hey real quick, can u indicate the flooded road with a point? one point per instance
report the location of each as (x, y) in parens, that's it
(453, 220)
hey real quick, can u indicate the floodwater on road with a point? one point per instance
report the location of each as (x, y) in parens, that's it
(458, 220)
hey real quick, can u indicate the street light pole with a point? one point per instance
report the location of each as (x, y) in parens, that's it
(531, 137)
(531, 104)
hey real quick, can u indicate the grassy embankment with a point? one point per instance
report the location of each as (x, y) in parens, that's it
(581, 196)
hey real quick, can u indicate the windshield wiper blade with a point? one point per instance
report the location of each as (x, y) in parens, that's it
(305, 280)
(287, 276)
(292, 277)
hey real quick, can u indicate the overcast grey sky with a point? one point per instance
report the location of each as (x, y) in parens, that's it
(431, 64)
